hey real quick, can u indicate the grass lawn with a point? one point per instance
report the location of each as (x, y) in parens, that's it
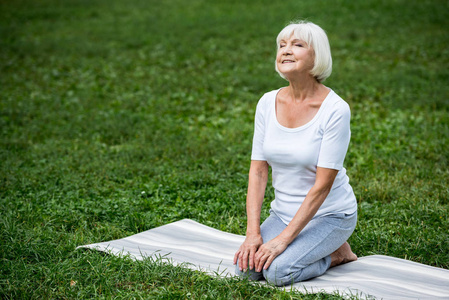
(120, 116)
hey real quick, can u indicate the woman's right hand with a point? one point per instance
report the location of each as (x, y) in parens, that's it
(257, 181)
(246, 252)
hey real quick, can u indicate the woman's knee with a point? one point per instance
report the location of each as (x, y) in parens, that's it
(284, 274)
(250, 274)
(278, 276)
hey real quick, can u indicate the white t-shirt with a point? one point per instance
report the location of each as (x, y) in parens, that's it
(295, 153)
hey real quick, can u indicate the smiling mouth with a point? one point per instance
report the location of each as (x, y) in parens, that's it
(287, 61)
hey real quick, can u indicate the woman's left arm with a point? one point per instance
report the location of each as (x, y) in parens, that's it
(315, 197)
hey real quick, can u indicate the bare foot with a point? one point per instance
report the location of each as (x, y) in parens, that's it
(342, 255)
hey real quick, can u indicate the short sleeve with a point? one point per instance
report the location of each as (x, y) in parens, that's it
(337, 134)
(259, 132)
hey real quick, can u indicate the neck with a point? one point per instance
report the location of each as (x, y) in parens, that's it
(304, 88)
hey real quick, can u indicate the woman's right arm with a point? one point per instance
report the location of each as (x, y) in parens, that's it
(258, 177)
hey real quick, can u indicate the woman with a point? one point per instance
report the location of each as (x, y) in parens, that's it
(302, 131)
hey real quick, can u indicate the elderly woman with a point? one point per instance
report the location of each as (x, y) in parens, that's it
(302, 131)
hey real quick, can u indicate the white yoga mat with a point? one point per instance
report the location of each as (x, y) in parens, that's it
(203, 248)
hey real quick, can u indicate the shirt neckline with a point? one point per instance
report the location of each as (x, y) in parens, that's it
(302, 127)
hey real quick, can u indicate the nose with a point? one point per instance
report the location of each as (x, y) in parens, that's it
(287, 49)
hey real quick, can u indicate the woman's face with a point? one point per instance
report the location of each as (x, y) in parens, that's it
(294, 56)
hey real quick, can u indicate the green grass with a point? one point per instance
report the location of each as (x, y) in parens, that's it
(117, 117)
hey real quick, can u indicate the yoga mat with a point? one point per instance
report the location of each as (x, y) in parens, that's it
(200, 247)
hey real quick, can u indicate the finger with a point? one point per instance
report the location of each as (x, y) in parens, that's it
(260, 262)
(241, 261)
(251, 259)
(245, 261)
(259, 257)
(236, 256)
(268, 262)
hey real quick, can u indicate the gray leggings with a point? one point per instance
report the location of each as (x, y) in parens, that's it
(308, 255)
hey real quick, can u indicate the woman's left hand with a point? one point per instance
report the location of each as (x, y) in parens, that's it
(267, 253)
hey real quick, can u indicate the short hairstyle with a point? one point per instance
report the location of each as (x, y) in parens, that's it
(316, 38)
